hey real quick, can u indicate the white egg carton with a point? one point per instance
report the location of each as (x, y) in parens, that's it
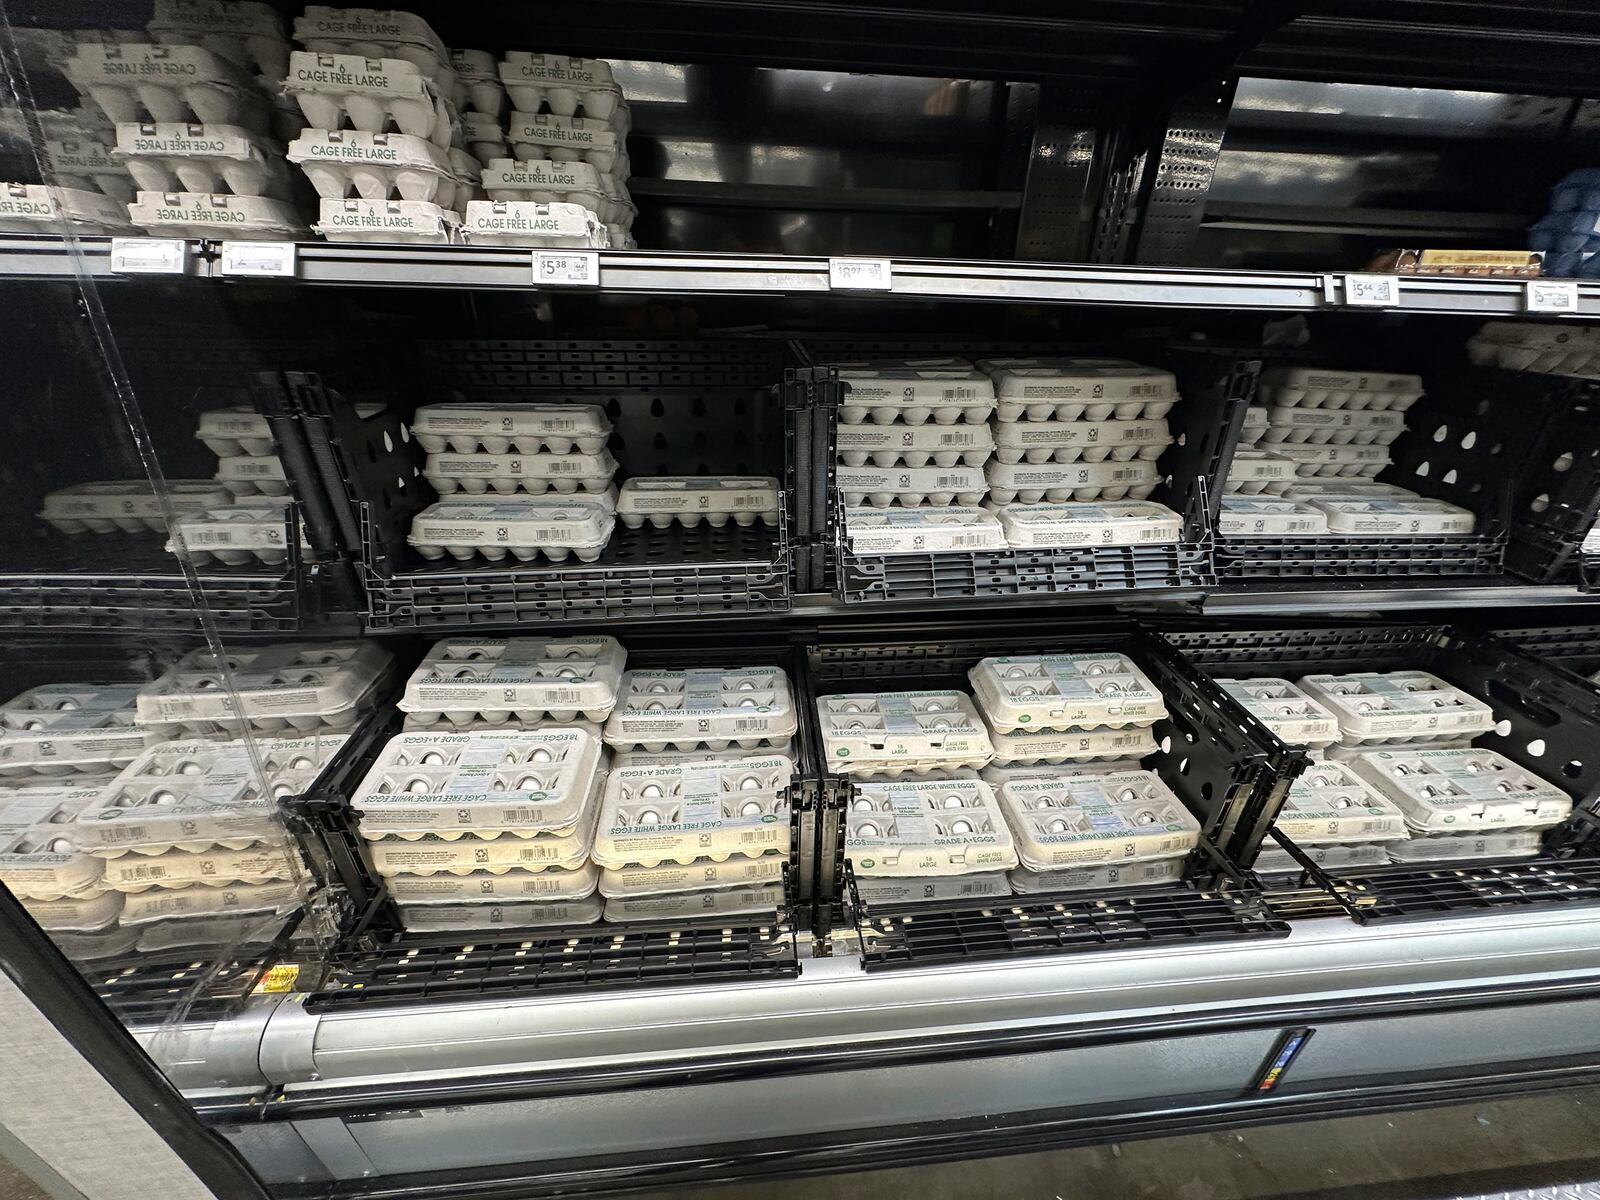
(70, 729)
(505, 474)
(923, 530)
(1269, 516)
(371, 95)
(1253, 472)
(1065, 692)
(750, 707)
(38, 860)
(1100, 391)
(940, 487)
(247, 33)
(376, 33)
(875, 892)
(703, 874)
(1344, 753)
(1089, 820)
(480, 918)
(1322, 387)
(501, 428)
(1073, 524)
(484, 887)
(1330, 803)
(399, 221)
(562, 84)
(547, 181)
(176, 156)
(1398, 706)
(523, 527)
(1339, 427)
(128, 505)
(720, 904)
(1450, 847)
(1306, 489)
(217, 867)
(216, 215)
(891, 733)
(1060, 482)
(536, 135)
(714, 808)
(1562, 349)
(252, 530)
(526, 223)
(689, 499)
(487, 784)
(237, 430)
(412, 724)
(485, 136)
(199, 795)
(1407, 518)
(915, 395)
(930, 827)
(480, 90)
(88, 946)
(493, 680)
(138, 81)
(301, 686)
(467, 854)
(39, 208)
(1283, 708)
(914, 445)
(1331, 857)
(1344, 462)
(1070, 441)
(85, 163)
(343, 163)
(1442, 791)
(1067, 747)
(77, 914)
(196, 904)
(997, 774)
(667, 758)
(1145, 873)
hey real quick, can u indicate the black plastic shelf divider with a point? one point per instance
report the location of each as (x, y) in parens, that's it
(1417, 893)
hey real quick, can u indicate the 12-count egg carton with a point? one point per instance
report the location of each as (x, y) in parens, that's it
(81, 729)
(1066, 749)
(1060, 482)
(926, 828)
(891, 733)
(1398, 706)
(746, 706)
(1328, 426)
(1091, 820)
(878, 890)
(690, 499)
(38, 861)
(1291, 714)
(1444, 791)
(495, 680)
(1070, 390)
(1337, 818)
(42, 208)
(1071, 441)
(511, 886)
(886, 394)
(472, 918)
(683, 813)
(673, 878)
(130, 506)
(1329, 461)
(1448, 847)
(176, 156)
(523, 527)
(1269, 516)
(1254, 472)
(501, 428)
(1065, 692)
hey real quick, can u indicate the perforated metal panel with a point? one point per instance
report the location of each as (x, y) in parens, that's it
(1184, 167)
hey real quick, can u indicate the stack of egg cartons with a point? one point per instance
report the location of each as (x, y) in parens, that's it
(548, 465)
(377, 88)
(563, 180)
(251, 524)
(514, 683)
(695, 818)
(87, 190)
(1559, 349)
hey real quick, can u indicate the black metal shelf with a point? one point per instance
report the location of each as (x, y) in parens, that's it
(1416, 893)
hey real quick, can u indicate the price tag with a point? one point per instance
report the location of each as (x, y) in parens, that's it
(149, 256)
(278, 980)
(566, 268)
(258, 258)
(1372, 291)
(860, 274)
(1552, 296)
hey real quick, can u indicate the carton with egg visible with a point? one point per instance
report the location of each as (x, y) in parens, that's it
(687, 906)
(1443, 791)
(38, 859)
(1291, 714)
(716, 809)
(1331, 804)
(1398, 706)
(495, 679)
(70, 729)
(745, 706)
(1088, 820)
(933, 827)
(1062, 692)
(891, 733)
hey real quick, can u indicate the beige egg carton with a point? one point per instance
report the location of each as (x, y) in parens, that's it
(1089, 820)
(234, 431)
(467, 854)
(494, 680)
(1283, 708)
(199, 904)
(353, 163)
(1098, 390)
(525, 528)
(564, 85)
(1035, 693)
(376, 33)
(1339, 427)
(1445, 791)
(216, 215)
(130, 506)
(248, 33)
(914, 445)
(1270, 516)
(911, 487)
(480, 91)
(876, 891)
(1071, 747)
(751, 707)
(923, 530)
(924, 828)
(1080, 440)
(703, 874)
(1332, 388)
(1087, 524)
(1332, 856)
(1454, 847)
(371, 95)
(1395, 518)
(485, 887)
(149, 81)
(67, 729)
(1145, 873)
(299, 686)
(487, 918)
(217, 867)
(715, 808)
(534, 474)
(501, 428)
(404, 222)
(997, 774)
(689, 499)
(1060, 482)
(1333, 462)
(484, 136)
(180, 156)
(549, 135)
(1255, 472)
(1398, 706)
(78, 914)
(1330, 804)
(895, 733)
(914, 395)
(539, 226)
(38, 860)
(547, 181)
(253, 529)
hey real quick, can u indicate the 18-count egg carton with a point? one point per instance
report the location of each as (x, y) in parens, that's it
(910, 487)
(38, 860)
(130, 506)
(1398, 706)
(81, 729)
(926, 829)
(912, 395)
(1445, 791)
(1109, 523)
(501, 428)
(878, 890)
(1074, 389)
(673, 878)
(1060, 482)
(892, 733)
(1068, 748)
(1448, 847)
(1092, 820)
(524, 527)
(690, 499)
(1269, 516)
(1075, 440)
(495, 680)
(749, 707)
(1291, 714)
(1337, 818)
(924, 530)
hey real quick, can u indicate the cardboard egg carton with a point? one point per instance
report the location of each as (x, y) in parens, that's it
(214, 868)
(484, 136)
(914, 445)
(1329, 462)
(131, 506)
(1070, 747)
(466, 854)
(997, 774)
(1560, 349)
(70, 729)
(485, 887)
(39, 208)
(197, 905)
(1335, 856)
(1144, 873)
(928, 530)
(715, 809)
(1099, 390)
(1330, 804)
(1323, 387)
(909, 487)
(38, 859)
(924, 828)
(109, 940)
(216, 215)
(690, 499)
(667, 758)
(176, 156)
(1455, 847)
(248, 33)
(526, 223)
(1443, 791)
(305, 687)
(254, 529)
(502, 428)
(486, 918)
(1395, 518)
(562, 84)
(1398, 706)
(752, 707)
(876, 892)
(529, 679)
(1074, 524)
(523, 527)
(1283, 708)
(372, 95)
(1065, 692)
(481, 91)
(84, 161)
(703, 874)
(906, 395)
(1090, 820)
(1060, 482)
(89, 914)
(148, 81)
(1339, 427)
(534, 474)
(1269, 516)
(1080, 439)
(548, 181)
(233, 431)
(350, 163)
(1253, 472)
(376, 33)
(894, 733)
(716, 905)
(548, 135)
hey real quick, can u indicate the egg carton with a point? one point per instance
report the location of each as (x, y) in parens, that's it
(893, 733)
(718, 904)
(923, 828)
(216, 215)
(940, 487)
(217, 867)
(524, 528)
(234, 431)
(1339, 427)
(1269, 516)
(469, 855)
(537, 135)
(547, 181)
(1254, 472)
(1075, 440)
(1447, 790)
(1343, 753)
(1131, 523)
(198, 795)
(371, 95)
(689, 499)
(703, 874)
(131, 506)
(139, 81)
(444, 725)
(498, 679)
(300, 686)
(238, 533)
(730, 752)
(1562, 349)
(1321, 387)
(484, 887)
(76, 914)
(486, 784)
(343, 163)
(89, 946)
(997, 774)
(1089, 820)
(536, 473)
(880, 891)
(38, 860)
(1344, 462)
(1451, 847)
(714, 808)
(1332, 857)
(248, 34)
(914, 445)
(85, 163)
(1398, 706)
(40, 208)
(1066, 749)
(1119, 391)
(543, 226)
(922, 530)
(751, 707)
(475, 918)
(485, 136)
(1283, 708)
(176, 156)
(480, 90)
(563, 85)
(70, 729)
(915, 395)
(1065, 692)
(403, 222)
(1060, 482)
(501, 428)
(1330, 803)
(1407, 518)
(199, 904)
(376, 33)
(1145, 873)
(1313, 488)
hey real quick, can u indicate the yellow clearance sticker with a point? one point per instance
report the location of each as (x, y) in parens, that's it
(279, 979)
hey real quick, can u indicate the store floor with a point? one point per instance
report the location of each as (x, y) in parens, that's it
(1467, 1150)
